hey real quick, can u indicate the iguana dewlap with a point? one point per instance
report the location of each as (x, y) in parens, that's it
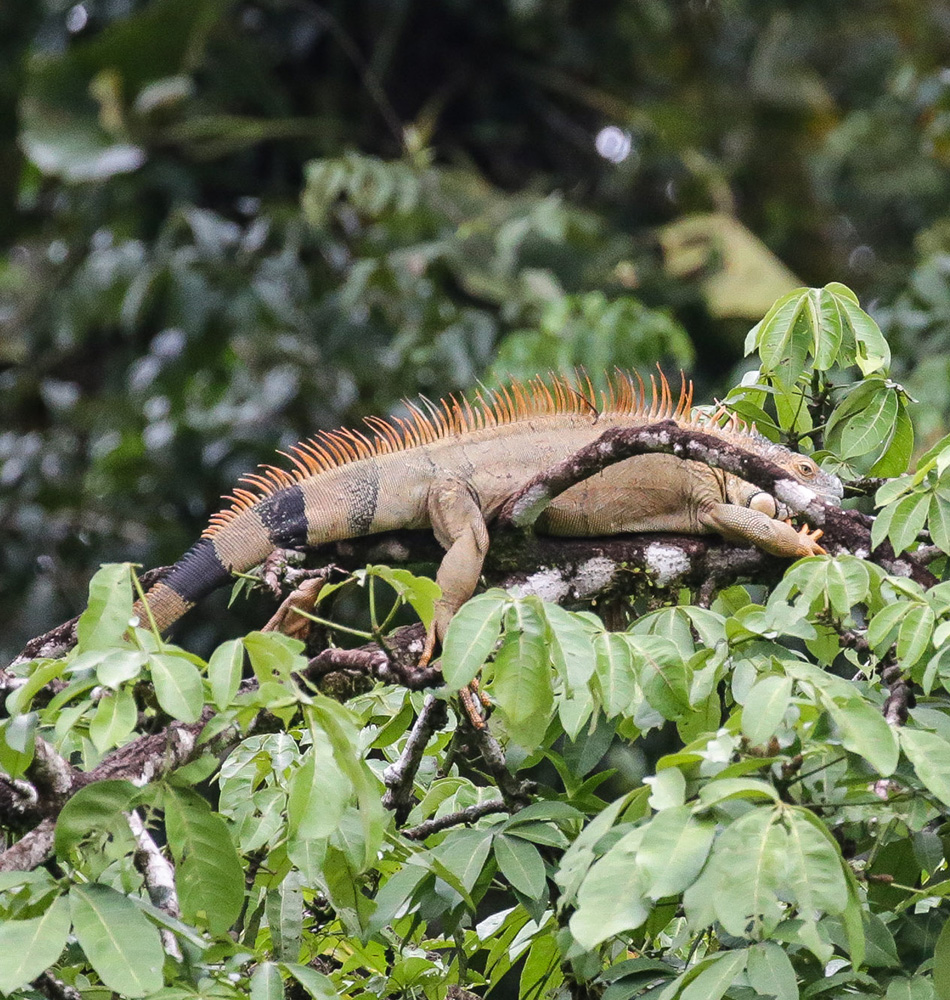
(450, 466)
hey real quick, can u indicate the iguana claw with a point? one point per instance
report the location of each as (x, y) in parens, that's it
(809, 540)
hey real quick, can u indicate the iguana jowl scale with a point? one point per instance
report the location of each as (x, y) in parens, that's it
(450, 466)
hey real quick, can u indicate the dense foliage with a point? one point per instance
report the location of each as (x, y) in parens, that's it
(225, 225)
(169, 316)
(786, 834)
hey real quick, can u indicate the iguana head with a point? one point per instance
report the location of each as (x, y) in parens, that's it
(806, 471)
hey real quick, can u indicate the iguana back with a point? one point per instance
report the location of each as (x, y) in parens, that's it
(450, 465)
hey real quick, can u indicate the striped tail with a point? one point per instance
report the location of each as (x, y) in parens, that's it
(240, 543)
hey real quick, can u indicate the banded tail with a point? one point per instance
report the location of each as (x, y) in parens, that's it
(237, 543)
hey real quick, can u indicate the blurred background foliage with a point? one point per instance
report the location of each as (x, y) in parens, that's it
(224, 225)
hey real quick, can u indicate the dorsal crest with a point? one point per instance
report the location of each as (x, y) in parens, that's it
(427, 422)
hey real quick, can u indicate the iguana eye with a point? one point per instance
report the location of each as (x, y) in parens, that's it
(806, 468)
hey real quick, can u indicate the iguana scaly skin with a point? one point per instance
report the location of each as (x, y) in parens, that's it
(450, 466)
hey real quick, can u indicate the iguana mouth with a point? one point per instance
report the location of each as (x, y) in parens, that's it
(829, 487)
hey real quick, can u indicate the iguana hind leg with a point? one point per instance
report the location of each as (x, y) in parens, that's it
(459, 527)
(744, 524)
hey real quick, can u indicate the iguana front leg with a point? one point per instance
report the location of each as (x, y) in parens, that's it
(459, 527)
(748, 524)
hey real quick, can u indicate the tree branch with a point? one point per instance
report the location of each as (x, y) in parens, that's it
(462, 816)
(400, 775)
(159, 877)
(845, 531)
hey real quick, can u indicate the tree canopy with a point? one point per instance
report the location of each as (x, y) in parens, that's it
(225, 226)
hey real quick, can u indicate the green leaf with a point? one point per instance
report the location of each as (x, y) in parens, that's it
(865, 732)
(602, 911)
(616, 679)
(771, 973)
(917, 988)
(520, 863)
(938, 521)
(178, 686)
(930, 756)
(673, 850)
(208, 875)
(846, 582)
(784, 337)
(319, 986)
(882, 625)
(721, 789)
(284, 908)
(115, 718)
(746, 874)
(899, 449)
(120, 943)
(521, 678)
(863, 422)
(570, 647)
(119, 666)
(814, 867)
(91, 810)
(908, 519)
(541, 973)
(29, 947)
(224, 672)
(105, 621)
(340, 726)
(914, 635)
(463, 853)
(873, 354)
(942, 962)
(419, 592)
(664, 674)
(765, 707)
(717, 975)
(273, 655)
(318, 793)
(471, 636)
(266, 983)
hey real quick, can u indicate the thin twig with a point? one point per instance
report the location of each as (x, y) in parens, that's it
(462, 816)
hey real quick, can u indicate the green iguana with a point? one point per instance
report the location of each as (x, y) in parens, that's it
(450, 466)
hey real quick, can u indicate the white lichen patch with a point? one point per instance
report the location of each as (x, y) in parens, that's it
(556, 585)
(548, 584)
(594, 575)
(666, 562)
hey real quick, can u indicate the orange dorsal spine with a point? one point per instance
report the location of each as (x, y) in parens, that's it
(624, 396)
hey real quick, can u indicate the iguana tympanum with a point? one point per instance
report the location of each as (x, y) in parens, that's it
(450, 466)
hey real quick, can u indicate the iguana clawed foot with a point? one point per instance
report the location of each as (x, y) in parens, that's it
(809, 540)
